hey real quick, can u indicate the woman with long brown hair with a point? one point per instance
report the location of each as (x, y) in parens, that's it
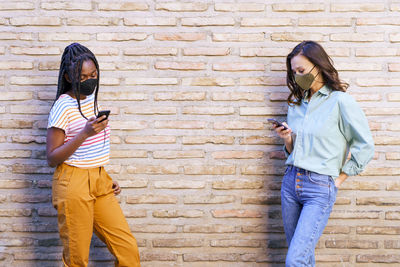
(324, 124)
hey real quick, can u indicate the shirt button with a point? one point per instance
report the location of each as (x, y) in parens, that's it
(298, 180)
(298, 186)
(298, 174)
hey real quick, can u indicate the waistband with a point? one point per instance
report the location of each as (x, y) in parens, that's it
(299, 170)
(71, 166)
(303, 171)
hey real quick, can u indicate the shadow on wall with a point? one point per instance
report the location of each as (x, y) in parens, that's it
(29, 215)
(33, 221)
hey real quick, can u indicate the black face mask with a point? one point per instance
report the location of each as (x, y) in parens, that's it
(88, 86)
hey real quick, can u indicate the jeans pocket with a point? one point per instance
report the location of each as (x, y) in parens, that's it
(319, 179)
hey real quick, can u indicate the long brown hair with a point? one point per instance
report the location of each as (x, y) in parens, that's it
(316, 55)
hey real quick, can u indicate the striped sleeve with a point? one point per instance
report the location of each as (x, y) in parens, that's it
(58, 117)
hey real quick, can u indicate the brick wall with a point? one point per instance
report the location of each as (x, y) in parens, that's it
(190, 86)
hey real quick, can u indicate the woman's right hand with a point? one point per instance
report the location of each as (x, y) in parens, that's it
(93, 126)
(286, 135)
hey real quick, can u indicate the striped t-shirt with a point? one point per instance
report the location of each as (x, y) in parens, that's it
(65, 115)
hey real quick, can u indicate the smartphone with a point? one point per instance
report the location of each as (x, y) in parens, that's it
(103, 112)
(277, 123)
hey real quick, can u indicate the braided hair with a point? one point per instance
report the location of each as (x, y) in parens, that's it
(71, 64)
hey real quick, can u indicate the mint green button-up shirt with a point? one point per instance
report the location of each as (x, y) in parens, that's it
(325, 129)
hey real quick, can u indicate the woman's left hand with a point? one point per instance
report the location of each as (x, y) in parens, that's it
(342, 177)
(116, 188)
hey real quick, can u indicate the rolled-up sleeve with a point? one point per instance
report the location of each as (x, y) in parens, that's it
(354, 127)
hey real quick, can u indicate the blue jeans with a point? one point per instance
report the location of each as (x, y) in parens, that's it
(307, 201)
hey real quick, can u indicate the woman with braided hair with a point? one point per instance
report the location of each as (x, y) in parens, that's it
(78, 146)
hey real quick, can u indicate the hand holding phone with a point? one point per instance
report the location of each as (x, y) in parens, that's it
(277, 123)
(103, 112)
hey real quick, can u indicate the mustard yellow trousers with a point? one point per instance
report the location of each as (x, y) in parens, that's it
(85, 202)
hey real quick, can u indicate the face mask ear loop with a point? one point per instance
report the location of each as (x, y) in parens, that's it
(315, 77)
(312, 69)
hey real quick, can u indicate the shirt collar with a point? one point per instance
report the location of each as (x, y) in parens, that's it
(324, 91)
